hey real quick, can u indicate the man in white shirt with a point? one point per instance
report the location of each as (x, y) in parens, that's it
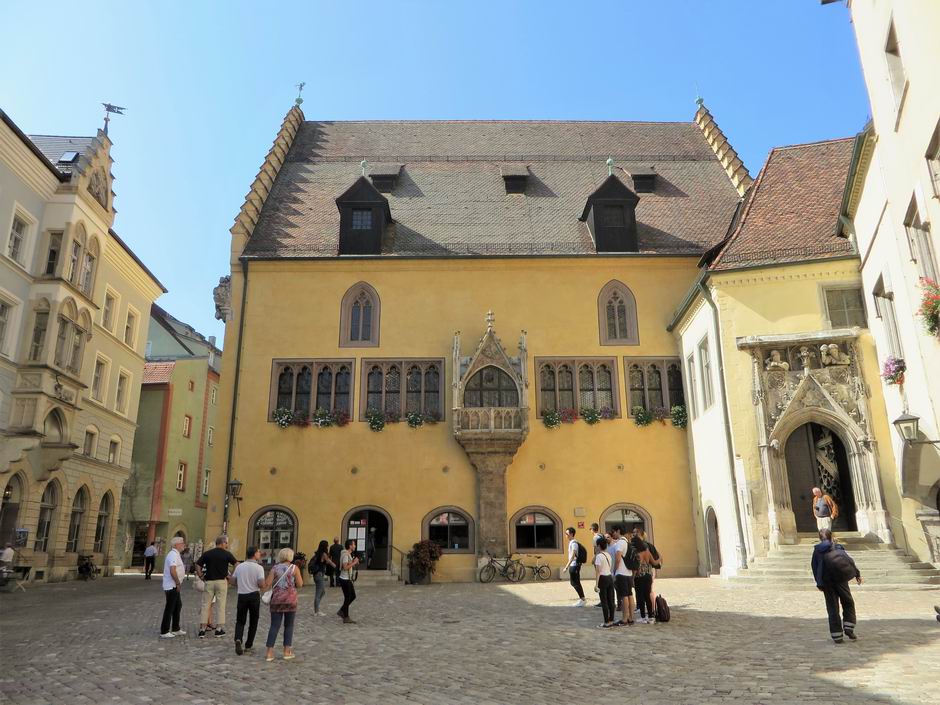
(574, 567)
(173, 573)
(623, 576)
(7, 555)
(248, 577)
(150, 558)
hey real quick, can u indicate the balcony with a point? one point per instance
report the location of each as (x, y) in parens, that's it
(494, 419)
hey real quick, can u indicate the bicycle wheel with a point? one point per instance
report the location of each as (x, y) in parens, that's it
(516, 572)
(487, 573)
(94, 574)
(543, 572)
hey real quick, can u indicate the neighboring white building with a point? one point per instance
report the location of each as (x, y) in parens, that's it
(892, 210)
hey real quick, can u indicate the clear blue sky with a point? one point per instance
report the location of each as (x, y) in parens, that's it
(206, 85)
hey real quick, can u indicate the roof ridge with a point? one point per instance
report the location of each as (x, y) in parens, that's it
(502, 121)
(798, 145)
(751, 195)
(70, 137)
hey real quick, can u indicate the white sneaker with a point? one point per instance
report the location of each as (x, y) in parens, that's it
(168, 635)
(321, 614)
(579, 603)
(641, 620)
(178, 632)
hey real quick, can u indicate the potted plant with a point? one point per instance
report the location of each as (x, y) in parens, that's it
(422, 561)
(892, 372)
(929, 310)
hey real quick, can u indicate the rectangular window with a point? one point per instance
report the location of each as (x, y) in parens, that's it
(113, 451)
(214, 395)
(78, 348)
(181, 477)
(38, 341)
(918, 238)
(107, 312)
(5, 314)
(210, 435)
(91, 442)
(706, 365)
(845, 308)
(896, 73)
(613, 216)
(578, 383)
(187, 426)
(16, 244)
(130, 329)
(74, 262)
(655, 384)
(52, 258)
(98, 379)
(303, 386)
(693, 405)
(933, 160)
(120, 402)
(63, 334)
(402, 386)
(362, 219)
(884, 307)
(205, 483)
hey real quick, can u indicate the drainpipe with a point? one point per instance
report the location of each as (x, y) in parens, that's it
(238, 364)
(742, 557)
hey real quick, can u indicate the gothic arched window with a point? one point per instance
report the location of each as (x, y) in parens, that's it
(491, 386)
(616, 315)
(359, 317)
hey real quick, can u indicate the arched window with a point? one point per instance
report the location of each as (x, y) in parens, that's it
(402, 386)
(491, 386)
(10, 509)
(616, 315)
(70, 337)
(271, 530)
(47, 514)
(654, 384)
(53, 427)
(637, 387)
(628, 517)
(285, 388)
(75, 255)
(375, 387)
(450, 528)
(76, 521)
(359, 317)
(87, 278)
(596, 385)
(103, 524)
(674, 384)
(295, 383)
(393, 390)
(37, 343)
(536, 529)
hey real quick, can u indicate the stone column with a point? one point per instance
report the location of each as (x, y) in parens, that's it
(491, 482)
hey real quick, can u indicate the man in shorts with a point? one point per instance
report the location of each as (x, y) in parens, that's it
(623, 576)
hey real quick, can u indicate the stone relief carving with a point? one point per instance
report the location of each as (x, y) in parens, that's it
(98, 187)
(222, 294)
(776, 362)
(831, 355)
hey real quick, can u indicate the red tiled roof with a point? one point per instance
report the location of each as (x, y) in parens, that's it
(158, 372)
(792, 211)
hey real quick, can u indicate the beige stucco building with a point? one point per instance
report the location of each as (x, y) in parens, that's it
(74, 305)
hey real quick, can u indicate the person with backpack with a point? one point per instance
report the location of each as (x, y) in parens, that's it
(319, 567)
(643, 581)
(625, 561)
(656, 563)
(833, 568)
(604, 583)
(577, 556)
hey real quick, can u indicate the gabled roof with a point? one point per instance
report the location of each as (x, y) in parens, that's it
(612, 189)
(451, 201)
(158, 372)
(362, 191)
(791, 212)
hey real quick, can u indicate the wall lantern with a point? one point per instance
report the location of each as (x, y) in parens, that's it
(908, 426)
(233, 490)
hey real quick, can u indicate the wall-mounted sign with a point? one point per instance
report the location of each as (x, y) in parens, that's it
(174, 512)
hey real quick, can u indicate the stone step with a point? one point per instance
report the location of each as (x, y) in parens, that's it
(811, 586)
(370, 578)
(893, 578)
(869, 573)
(901, 561)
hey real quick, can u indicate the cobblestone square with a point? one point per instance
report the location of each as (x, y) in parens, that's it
(97, 642)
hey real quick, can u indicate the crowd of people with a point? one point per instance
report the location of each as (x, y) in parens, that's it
(277, 588)
(622, 567)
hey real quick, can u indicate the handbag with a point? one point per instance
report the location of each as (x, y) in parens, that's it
(199, 585)
(269, 593)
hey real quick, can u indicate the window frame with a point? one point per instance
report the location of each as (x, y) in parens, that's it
(690, 383)
(131, 311)
(705, 367)
(10, 324)
(29, 224)
(535, 509)
(826, 289)
(360, 211)
(884, 309)
(103, 529)
(116, 298)
(187, 426)
(631, 314)
(663, 363)
(182, 470)
(57, 262)
(123, 373)
(932, 156)
(920, 246)
(37, 351)
(210, 435)
(315, 365)
(345, 316)
(205, 481)
(114, 450)
(450, 509)
(103, 391)
(73, 538)
(898, 81)
(575, 364)
(90, 450)
(214, 395)
(47, 523)
(403, 364)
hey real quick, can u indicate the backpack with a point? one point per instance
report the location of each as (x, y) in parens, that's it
(839, 566)
(632, 558)
(662, 609)
(582, 554)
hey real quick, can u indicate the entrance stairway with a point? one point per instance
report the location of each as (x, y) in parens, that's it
(883, 566)
(371, 578)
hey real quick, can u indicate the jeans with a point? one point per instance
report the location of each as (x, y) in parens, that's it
(349, 594)
(574, 573)
(148, 566)
(835, 594)
(319, 579)
(172, 610)
(288, 618)
(606, 584)
(217, 589)
(249, 605)
(644, 594)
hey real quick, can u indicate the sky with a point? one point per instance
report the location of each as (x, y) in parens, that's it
(207, 84)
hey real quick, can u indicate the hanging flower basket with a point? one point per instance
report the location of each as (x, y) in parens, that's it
(892, 372)
(568, 415)
(642, 417)
(415, 419)
(680, 417)
(378, 419)
(551, 418)
(929, 310)
(283, 417)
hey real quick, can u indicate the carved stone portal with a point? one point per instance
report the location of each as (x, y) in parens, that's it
(490, 423)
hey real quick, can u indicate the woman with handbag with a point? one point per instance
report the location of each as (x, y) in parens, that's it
(280, 592)
(318, 567)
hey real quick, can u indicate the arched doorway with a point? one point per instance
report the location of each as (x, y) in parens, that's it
(713, 542)
(628, 517)
(10, 510)
(816, 457)
(371, 528)
(272, 529)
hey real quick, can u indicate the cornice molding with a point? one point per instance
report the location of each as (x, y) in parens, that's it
(808, 271)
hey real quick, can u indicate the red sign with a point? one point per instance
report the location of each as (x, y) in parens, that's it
(580, 524)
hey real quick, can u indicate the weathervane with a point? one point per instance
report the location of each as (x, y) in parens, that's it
(300, 89)
(108, 108)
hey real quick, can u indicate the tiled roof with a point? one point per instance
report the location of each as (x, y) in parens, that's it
(792, 210)
(451, 200)
(158, 372)
(54, 146)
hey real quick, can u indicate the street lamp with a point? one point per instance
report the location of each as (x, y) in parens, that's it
(908, 426)
(233, 490)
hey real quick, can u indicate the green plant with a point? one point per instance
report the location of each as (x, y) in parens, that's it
(568, 415)
(642, 417)
(551, 418)
(415, 419)
(590, 415)
(376, 419)
(929, 310)
(423, 557)
(283, 417)
(680, 417)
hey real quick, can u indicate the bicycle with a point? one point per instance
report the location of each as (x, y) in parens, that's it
(87, 570)
(540, 571)
(509, 568)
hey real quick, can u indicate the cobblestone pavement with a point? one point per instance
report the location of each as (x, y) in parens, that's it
(97, 643)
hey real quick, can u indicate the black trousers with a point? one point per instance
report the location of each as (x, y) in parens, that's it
(644, 594)
(148, 566)
(331, 574)
(606, 584)
(171, 611)
(349, 594)
(839, 592)
(574, 573)
(249, 606)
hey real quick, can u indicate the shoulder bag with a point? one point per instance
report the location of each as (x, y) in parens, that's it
(269, 593)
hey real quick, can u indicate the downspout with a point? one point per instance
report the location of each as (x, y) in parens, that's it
(742, 557)
(238, 364)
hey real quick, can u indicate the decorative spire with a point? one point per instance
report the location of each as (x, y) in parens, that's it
(300, 89)
(610, 166)
(108, 108)
(490, 319)
(364, 164)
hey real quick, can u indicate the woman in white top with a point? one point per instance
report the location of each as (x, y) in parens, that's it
(347, 561)
(604, 583)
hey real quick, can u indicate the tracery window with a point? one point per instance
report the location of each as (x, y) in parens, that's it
(491, 386)
(103, 524)
(47, 515)
(359, 317)
(70, 338)
(76, 521)
(653, 383)
(616, 314)
(450, 528)
(403, 386)
(292, 386)
(596, 386)
(536, 528)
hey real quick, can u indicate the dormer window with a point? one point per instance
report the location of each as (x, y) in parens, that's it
(362, 219)
(385, 176)
(515, 177)
(68, 157)
(610, 214)
(363, 216)
(613, 216)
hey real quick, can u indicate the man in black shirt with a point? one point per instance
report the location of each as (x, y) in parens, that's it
(213, 568)
(335, 550)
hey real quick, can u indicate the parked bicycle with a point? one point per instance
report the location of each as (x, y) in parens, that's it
(510, 568)
(540, 571)
(87, 570)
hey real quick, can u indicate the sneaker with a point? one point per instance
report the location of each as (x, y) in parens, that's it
(321, 614)
(202, 633)
(238, 647)
(641, 620)
(579, 603)
(178, 632)
(347, 620)
(168, 635)
(598, 604)
(219, 632)
(850, 633)
(606, 626)
(837, 641)
(249, 649)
